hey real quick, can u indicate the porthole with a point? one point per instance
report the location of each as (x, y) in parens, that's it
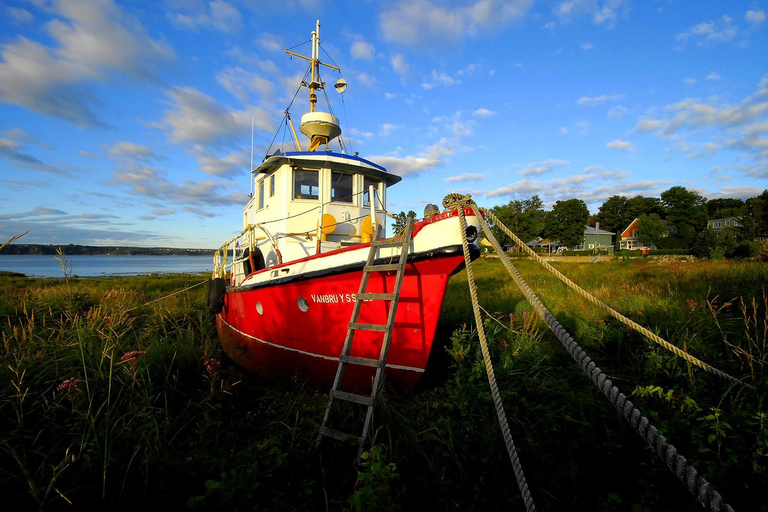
(303, 304)
(259, 308)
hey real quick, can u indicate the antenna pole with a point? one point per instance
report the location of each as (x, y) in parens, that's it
(250, 171)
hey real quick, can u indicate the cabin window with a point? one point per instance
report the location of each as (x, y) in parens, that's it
(341, 187)
(261, 194)
(367, 200)
(272, 185)
(306, 184)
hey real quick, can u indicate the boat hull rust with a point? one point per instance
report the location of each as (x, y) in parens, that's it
(297, 329)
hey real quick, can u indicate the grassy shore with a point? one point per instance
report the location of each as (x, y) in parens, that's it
(109, 407)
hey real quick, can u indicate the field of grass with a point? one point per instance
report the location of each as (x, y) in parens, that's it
(103, 406)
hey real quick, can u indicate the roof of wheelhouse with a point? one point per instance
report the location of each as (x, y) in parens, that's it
(329, 159)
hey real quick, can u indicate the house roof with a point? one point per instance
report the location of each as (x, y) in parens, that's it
(590, 230)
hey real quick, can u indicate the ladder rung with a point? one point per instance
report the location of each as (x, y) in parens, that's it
(375, 296)
(362, 361)
(382, 268)
(351, 397)
(367, 327)
(338, 435)
(393, 242)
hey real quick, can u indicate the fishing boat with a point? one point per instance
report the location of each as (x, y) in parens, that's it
(284, 290)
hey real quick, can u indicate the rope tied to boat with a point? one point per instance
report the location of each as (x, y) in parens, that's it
(167, 296)
(615, 314)
(698, 486)
(501, 415)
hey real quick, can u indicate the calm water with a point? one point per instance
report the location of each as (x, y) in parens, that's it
(95, 266)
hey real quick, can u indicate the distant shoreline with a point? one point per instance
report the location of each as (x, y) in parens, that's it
(93, 250)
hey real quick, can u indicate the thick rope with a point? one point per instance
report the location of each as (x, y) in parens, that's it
(167, 296)
(687, 474)
(516, 466)
(615, 314)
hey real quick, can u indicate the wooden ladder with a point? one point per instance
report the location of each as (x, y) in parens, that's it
(354, 325)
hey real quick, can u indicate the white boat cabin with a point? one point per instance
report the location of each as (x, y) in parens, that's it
(300, 197)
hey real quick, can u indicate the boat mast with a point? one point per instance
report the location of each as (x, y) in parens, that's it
(314, 84)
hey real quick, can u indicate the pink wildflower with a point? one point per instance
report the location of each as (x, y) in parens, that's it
(69, 385)
(212, 365)
(132, 355)
(525, 313)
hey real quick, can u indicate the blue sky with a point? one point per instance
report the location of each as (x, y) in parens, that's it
(129, 122)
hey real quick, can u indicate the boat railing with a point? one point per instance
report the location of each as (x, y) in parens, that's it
(247, 238)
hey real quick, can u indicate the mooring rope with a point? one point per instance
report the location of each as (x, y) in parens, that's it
(502, 417)
(615, 314)
(698, 486)
(167, 296)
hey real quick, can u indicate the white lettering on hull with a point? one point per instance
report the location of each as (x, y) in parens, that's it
(333, 298)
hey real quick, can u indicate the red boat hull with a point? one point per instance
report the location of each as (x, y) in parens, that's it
(297, 329)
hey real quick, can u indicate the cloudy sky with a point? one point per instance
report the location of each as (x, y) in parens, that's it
(130, 122)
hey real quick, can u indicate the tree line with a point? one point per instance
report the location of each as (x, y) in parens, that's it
(675, 220)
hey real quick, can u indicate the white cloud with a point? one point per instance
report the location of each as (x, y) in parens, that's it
(542, 167)
(439, 79)
(617, 112)
(710, 33)
(414, 22)
(228, 165)
(564, 130)
(134, 151)
(362, 50)
(13, 151)
(19, 15)
(648, 125)
(712, 76)
(465, 177)
(587, 46)
(93, 41)
(366, 80)
(217, 15)
(270, 42)
(604, 12)
(148, 182)
(431, 157)
(755, 17)
(599, 100)
(690, 80)
(483, 112)
(386, 129)
(197, 118)
(240, 83)
(400, 66)
(621, 144)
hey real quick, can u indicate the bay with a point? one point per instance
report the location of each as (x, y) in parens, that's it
(103, 265)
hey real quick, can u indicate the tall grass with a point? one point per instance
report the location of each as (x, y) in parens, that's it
(106, 406)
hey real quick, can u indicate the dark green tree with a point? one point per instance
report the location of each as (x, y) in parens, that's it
(640, 205)
(754, 218)
(686, 211)
(612, 214)
(525, 217)
(724, 207)
(566, 222)
(727, 241)
(398, 225)
(704, 243)
(650, 229)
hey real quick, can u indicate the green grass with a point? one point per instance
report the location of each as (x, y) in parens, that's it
(102, 407)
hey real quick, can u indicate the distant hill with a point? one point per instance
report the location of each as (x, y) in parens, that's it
(72, 250)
